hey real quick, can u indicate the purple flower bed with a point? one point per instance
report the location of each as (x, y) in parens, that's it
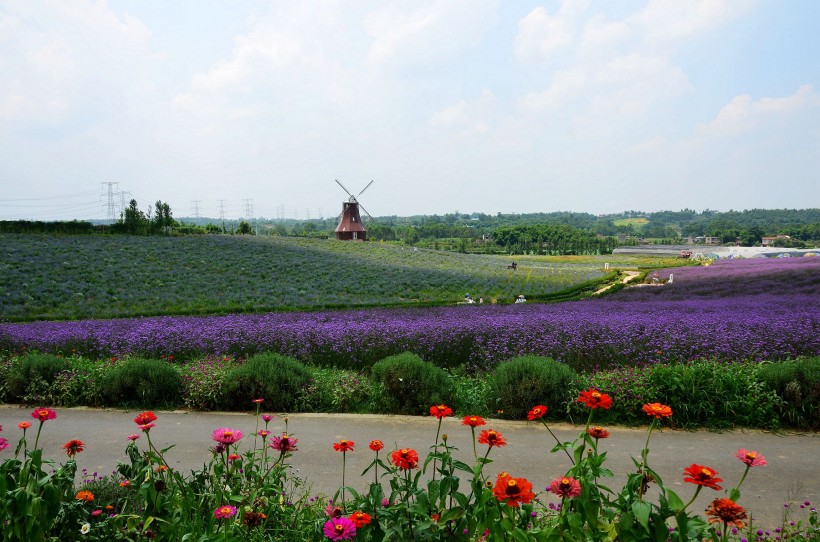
(626, 329)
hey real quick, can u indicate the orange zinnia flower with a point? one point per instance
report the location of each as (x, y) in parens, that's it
(344, 445)
(406, 459)
(728, 512)
(73, 447)
(86, 496)
(376, 445)
(513, 490)
(702, 476)
(657, 410)
(24, 425)
(536, 412)
(492, 438)
(360, 519)
(440, 411)
(145, 418)
(595, 399)
(473, 421)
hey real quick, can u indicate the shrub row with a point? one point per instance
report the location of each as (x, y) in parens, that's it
(704, 393)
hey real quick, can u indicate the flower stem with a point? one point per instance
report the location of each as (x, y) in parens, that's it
(571, 460)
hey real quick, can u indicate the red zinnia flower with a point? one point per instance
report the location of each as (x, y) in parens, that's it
(513, 490)
(565, 487)
(233, 457)
(360, 519)
(147, 427)
(473, 421)
(226, 435)
(344, 445)
(728, 512)
(284, 443)
(440, 411)
(536, 412)
(598, 432)
(86, 496)
(595, 399)
(24, 425)
(702, 476)
(406, 459)
(657, 410)
(492, 438)
(376, 445)
(145, 418)
(753, 459)
(43, 414)
(73, 447)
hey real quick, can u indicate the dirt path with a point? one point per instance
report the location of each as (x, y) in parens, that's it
(629, 276)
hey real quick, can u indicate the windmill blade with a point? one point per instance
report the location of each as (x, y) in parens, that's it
(365, 211)
(343, 187)
(365, 188)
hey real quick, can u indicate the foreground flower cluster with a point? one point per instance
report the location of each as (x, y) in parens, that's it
(253, 495)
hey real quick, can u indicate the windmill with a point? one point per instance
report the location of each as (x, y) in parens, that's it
(350, 226)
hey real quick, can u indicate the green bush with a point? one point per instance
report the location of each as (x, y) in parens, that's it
(797, 383)
(278, 379)
(410, 385)
(630, 389)
(33, 380)
(143, 382)
(521, 383)
(203, 383)
(336, 390)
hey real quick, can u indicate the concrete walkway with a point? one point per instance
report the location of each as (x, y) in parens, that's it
(792, 473)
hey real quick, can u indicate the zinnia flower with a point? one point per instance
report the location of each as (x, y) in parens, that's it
(24, 425)
(595, 399)
(225, 511)
(147, 427)
(145, 418)
(360, 519)
(226, 435)
(492, 438)
(233, 457)
(565, 486)
(657, 410)
(376, 445)
(473, 421)
(133, 437)
(264, 433)
(258, 401)
(43, 414)
(702, 476)
(728, 512)
(284, 443)
(339, 529)
(253, 519)
(125, 483)
(536, 412)
(3, 443)
(73, 447)
(86, 496)
(753, 459)
(85, 529)
(267, 417)
(333, 511)
(441, 411)
(598, 432)
(513, 490)
(344, 445)
(406, 459)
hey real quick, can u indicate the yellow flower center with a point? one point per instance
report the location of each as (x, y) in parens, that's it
(596, 395)
(227, 434)
(706, 472)
(339, 528)
(751, 455)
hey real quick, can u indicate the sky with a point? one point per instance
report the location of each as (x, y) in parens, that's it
(246, 108)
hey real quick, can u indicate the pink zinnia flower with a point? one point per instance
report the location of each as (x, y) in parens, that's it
(258, 401)
(340, 529)
(133, 437)
(565, 487)
(284, 443)
(226, 435)
(264, 433)
(267, 417)
(225, 511)
(753, 459)
(43, 414)
(3, 443)
(147, 427)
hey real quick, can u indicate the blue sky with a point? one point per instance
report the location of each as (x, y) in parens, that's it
(470, 106)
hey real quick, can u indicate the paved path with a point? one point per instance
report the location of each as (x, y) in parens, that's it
(793, 472)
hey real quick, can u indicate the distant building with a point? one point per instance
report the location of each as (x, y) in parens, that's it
(766, 241)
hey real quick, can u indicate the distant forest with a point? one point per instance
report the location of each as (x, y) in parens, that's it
(545, 233)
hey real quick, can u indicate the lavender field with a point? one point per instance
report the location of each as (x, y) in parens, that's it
(731, 310)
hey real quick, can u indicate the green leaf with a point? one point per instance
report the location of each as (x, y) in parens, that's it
(734, 494)
(675, 502)
(642, 510)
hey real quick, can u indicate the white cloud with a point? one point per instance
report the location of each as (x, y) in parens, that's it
(663, 20)
(465, 118)
(743, 113)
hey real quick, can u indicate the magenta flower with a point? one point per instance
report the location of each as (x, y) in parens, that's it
(284, 443)
(340, 529)
(43, 414)
(226, 435)
(225, 511)
(3, 444)
(753, 459)
(133, 437)
(565, 486)
(267, 417)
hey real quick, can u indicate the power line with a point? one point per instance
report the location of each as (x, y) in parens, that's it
(64, 196)
(110, 205)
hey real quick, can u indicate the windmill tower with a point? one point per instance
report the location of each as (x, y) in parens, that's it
(350, 226)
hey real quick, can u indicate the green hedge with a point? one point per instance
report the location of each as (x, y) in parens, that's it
(411, 385)
(521, 383)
